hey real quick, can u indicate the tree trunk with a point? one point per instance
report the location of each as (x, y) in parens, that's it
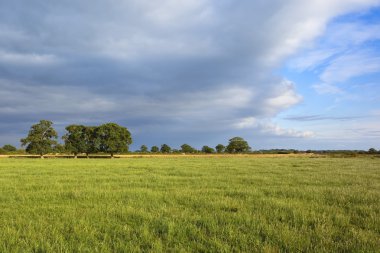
(42, 156)
(87, 156)
(75, 156)
(111, 155)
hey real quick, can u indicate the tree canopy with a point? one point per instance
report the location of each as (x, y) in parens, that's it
(186, 148)
(144, 149)
(372, 151)
(165, 148)
(9, 148)
(155, 149)
(208, 150)
(41, 138)
(112, 138)
(75, 141)
(237, 145)
(220, 148)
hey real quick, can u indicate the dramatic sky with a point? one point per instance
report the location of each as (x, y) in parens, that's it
(279, 73)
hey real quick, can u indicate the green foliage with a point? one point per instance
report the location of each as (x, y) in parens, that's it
(59, 148)
(155, 149)
(112, 138)
(220, 148)
(186, 148)
(90, 139)
(208, 150)
(190, 205)
(372, 151)
(165, 148)
(176, 151)
(144, 149)
(280, 151)
(41, 138)
(75, 141)
(9, 148)
(237, 145)
(6, 149)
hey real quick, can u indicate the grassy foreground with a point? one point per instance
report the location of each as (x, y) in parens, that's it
(190, 205)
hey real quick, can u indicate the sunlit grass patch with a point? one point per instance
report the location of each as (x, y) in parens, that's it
(190, 204)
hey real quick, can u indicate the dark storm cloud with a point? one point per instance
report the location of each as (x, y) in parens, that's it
(168, 68)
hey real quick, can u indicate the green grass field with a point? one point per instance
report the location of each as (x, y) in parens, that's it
(190, 205)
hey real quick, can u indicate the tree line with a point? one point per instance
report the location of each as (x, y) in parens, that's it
(109, 138)
(235, 145)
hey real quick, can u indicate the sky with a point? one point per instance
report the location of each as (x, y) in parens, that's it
(279, 73)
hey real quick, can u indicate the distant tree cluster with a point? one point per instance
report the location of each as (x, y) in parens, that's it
(348, 153)
(235, 145)
(107, 138)
(208, 150)
(7, 149)
(373, 151)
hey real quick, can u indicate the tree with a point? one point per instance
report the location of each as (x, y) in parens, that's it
(80, 139)
(143, 149)
(112, 138)
(165, 148)
(237, 145)
(208, 150)
(90, 140)
(155, 149)
(9, 148)
(75, 141)
(372, 151)
(220, 148)
(186, 148)
(41, 138)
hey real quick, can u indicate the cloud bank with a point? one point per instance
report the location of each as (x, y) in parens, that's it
(168, 70)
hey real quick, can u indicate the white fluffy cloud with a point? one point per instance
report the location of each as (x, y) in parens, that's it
(349, 65)
(345, 52)
(268, 127)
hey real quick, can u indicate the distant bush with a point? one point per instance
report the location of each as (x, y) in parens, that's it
(220, 148)
(186, 148)
(165, 148)
(284, 152)
(176, 151)
(9, 148)
(372, 151)
(155, 149)
(208, 150)
(144, 149)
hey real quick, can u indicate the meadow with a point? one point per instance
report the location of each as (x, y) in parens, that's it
(190, 204)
